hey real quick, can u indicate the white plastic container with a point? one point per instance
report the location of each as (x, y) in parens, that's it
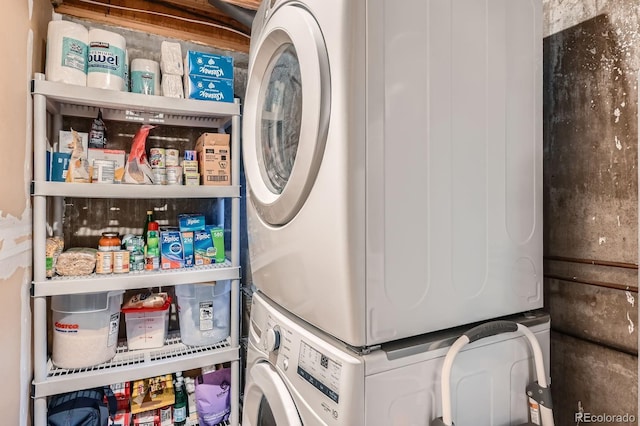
(203, 312)
(85, 328)
(147, 327)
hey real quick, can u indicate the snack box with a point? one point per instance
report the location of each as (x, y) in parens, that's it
(151, 393)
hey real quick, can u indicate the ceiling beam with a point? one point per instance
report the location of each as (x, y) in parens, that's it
(202, 25)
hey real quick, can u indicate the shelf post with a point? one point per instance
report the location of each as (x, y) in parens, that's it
(39, 254)
(235, 260)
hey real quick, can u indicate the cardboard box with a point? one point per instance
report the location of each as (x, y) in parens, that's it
(191, 222)
(204, 252)
(171, 250)
(59, 166)
(115, 155)
(187, 248)
(214, 159)
(152, 393)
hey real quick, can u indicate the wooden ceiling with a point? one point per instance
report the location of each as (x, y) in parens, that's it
(192, 20)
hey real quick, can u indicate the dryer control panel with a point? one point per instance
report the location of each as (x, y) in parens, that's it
(319, 370)
(317, 367)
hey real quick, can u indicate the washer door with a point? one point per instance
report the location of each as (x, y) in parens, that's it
(286, 113)
(267, 401)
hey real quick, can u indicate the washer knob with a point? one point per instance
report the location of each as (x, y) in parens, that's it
(272, 339)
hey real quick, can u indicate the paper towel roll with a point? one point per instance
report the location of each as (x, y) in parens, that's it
(171, 58)
(106, 60)
(172, 86)
(67, 53)
(145, 76)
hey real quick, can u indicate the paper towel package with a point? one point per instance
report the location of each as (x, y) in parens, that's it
(66, 60)
(171, 58)
(172, 86)
(106, 58)
(208, 65)
(145, 77)
(208, 89)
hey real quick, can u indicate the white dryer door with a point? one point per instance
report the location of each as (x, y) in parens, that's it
(286, 112)
(267, 401)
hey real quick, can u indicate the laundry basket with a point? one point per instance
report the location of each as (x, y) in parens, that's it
(539, 394)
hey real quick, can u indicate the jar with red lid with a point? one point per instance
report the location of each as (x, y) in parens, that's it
(110, 241)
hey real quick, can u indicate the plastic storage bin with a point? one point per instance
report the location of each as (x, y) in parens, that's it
(203, 312)
(85, 328)
(147, 327)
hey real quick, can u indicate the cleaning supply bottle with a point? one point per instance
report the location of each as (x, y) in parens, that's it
(152, 257)
(180, 405)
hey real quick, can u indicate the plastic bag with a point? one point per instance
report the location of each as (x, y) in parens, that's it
(137, 169)
(78, 165)
(213, 395)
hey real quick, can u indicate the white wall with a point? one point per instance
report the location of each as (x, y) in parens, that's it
(22, 38)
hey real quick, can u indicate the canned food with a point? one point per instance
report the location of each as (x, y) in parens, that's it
(172, 157)
(120, 262)
(157, 157)
(160, 176)
(174, 175)
(136, 261)
(110, 241)
(104, 262)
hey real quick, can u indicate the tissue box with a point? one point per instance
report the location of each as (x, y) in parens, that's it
(214, 158)
(208, 65)
(208, 89)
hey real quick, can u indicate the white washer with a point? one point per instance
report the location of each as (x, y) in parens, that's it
(393, 155)
(298, 376)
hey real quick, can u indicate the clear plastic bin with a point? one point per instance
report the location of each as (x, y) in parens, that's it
(85, 328)
(203, 312)
(147, 327)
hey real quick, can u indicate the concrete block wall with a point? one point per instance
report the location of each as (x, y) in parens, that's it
(591, 62)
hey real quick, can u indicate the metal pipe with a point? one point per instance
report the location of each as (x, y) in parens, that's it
(244, 16)
(592, 262)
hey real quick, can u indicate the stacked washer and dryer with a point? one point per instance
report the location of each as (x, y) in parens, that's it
(393, 156)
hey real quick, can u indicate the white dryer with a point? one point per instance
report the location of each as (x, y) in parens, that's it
(299, 376)
(393, 155)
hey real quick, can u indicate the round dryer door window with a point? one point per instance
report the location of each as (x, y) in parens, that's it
(286, 113)
(267, 401)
